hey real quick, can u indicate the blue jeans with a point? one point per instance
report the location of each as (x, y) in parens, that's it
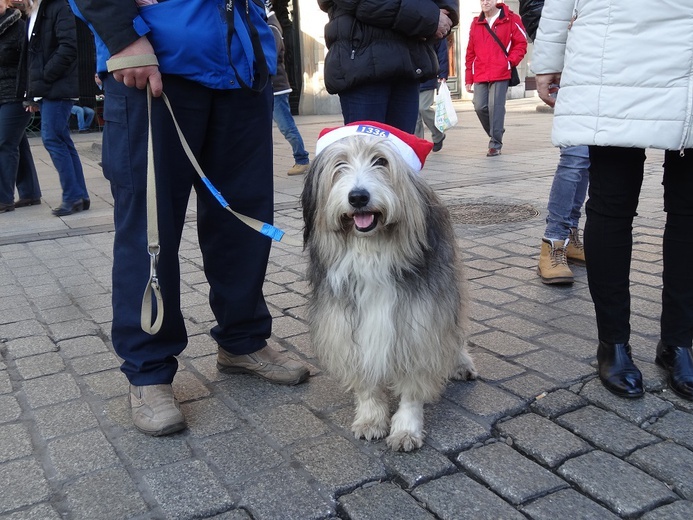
(395, 103)
(28, 185)
(84, 115)
(13, 120)
(55, 132)
(287, 126)
(568, 192)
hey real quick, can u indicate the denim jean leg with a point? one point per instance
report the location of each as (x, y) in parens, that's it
(287, 126)
(55, 115)
(568, 192)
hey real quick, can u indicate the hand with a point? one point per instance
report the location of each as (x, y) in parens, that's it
(444, 24)
(139, 76)
(544, 81)
(469, 87)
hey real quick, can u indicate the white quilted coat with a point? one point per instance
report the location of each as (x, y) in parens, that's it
(627, 71)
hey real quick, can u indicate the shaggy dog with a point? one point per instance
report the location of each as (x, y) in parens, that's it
(387, 309)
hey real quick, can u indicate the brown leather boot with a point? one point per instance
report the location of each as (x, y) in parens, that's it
(575, 251)
(553, 266)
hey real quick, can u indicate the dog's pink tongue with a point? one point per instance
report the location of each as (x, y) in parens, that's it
(363, 220)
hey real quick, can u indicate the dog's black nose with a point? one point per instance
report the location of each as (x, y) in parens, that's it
(359, 198)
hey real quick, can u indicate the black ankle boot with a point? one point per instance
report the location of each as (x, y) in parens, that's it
(617, 372)
(678, 361)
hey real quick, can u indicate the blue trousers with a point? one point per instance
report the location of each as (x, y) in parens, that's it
(395, 103)
(287, 126)
(230, 133)
(568, 192)
(616, 176)
(13, 121)
(55, 132)
(28, 185)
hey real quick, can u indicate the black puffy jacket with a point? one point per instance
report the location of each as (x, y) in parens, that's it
(52, 53)
(12, 38)
(530, 12)
(376, 40)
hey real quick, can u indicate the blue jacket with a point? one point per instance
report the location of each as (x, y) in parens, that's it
(441, 48)
(189, 36)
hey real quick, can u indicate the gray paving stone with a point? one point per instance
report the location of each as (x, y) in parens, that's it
(557, 366)
(95, 363)
(624, 489)
(283, 493)
(209, 416)
(240, 454)
(81, 453)
(483, 399)
(188, 387)
(51, 389)
(338, 465)
(236, 514)
(557, 505)
(117, 495)
(557, 403)
(449, 428)
(322, 394)
(635, 410)
(290, 423)
(82, 346)
(9, 408)
(23, 483)
(21, 329)
(5, 382)
(188, 490)
(598, 427)
(680, 510)
(39, 512)
(675, 425)
(458, 497)
(492, 368)
(508, 473)
(542, 440)
(569, 344)
(383, 500)
(40, 365)
(64, 419)
(503, 343)
(252, 393)
(30, 346)
(15, 442)
(108, 384)
(529, 386)
(418, 466)
(668, 462)
(145, 452)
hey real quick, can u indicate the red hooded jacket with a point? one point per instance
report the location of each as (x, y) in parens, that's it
(485, 60)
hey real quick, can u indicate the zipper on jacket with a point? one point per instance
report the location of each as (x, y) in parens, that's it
(351, 39)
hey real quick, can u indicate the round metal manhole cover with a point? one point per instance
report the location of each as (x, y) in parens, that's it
(491, 213)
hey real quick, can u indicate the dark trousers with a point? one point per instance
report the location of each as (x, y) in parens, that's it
(616, 176)
(230, 133)
(395, 103)
(13, 121)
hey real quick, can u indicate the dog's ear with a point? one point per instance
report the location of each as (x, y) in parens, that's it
(308, 200)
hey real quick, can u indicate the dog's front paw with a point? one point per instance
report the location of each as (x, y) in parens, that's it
(465, 373)
(404, 441)
(369, 431)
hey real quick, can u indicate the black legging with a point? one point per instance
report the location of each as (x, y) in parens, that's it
(616, 176)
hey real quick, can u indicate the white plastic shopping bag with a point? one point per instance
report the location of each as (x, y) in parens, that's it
(446, 117)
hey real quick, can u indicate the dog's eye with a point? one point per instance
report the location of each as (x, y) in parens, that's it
(380, 161)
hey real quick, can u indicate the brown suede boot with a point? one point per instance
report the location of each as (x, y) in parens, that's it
(574, 250)
(266, 363)
(553, 266)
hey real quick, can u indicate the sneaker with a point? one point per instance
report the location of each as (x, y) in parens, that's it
(266, 363)
(21, 203)
(437, 147)
(4, 208)
(575, 250)
(298, 169)
(155, 410)
(553, 265)
(493, 152)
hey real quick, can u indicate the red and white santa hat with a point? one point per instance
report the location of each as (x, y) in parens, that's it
(412, 149)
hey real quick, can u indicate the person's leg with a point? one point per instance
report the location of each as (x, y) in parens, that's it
(365, 103)
(78, 111)
(403, 105)
(674, 349)
(568, 192)
(28, 185)
(287, 126)
(88, 117)
(428, 116)
(616, 176)
(496, 105)
(13, 120)
(424, 97)
(480, 100)
(55, 133)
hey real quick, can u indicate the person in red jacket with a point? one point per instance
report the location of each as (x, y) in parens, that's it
(488, 65)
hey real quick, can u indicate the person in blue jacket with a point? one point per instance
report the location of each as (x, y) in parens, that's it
(213, 59)
(427, 91)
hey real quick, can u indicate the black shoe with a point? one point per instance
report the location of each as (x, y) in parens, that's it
(678, 361)
(4, 208)
(437, 147)
(86, 204)
(64, 210)
(21, 203)
(617, 372)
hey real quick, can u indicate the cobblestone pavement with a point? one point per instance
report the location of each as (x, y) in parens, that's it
(535, 437)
